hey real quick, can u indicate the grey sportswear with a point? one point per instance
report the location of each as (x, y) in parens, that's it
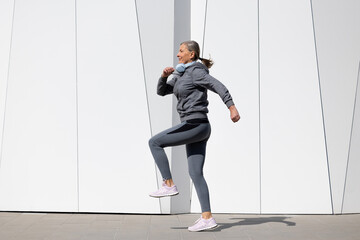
(194, 130)
(190, 88)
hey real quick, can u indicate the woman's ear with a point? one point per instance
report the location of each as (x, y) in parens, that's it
(192, 55)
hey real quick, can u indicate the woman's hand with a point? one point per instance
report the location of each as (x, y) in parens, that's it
(234, 115)
(167, 71)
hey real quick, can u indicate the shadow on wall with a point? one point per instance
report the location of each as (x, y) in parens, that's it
(249, 221)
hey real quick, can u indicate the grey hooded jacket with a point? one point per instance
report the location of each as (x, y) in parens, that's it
(190, 88)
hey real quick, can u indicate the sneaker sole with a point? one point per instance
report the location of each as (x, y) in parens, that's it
(167, 195)
(205, 229)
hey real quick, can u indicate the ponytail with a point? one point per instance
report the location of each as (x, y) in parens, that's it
(207, 62)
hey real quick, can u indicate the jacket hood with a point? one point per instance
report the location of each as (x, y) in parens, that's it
(198, 65)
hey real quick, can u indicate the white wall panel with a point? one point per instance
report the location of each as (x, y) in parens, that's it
(337, 37)
(198, 16)
(157, 37)
(113, 116)
(351, 198)
(38, 168)
(6, 15)
(232, 162)
(293, 156)
(78, 104)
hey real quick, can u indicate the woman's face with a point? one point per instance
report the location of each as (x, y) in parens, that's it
(185, 55)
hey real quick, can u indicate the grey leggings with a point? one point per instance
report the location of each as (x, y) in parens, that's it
(195, 135)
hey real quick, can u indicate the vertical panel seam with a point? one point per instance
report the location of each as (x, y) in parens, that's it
(173, 109)
(351, 133)
(7, 83)
(146, 89)
(143, 66)
(322, 108)
(205, 18)
(259, 98)
(77, 111)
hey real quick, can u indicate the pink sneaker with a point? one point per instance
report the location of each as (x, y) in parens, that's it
(165, 191)
(203, 224)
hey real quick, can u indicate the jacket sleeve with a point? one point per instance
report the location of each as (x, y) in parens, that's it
(164, 87)
(203, 79)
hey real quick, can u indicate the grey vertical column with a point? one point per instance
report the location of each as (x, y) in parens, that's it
(181, 203)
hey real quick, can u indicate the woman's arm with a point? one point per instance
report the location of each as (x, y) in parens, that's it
(202, 78)
(164, 87)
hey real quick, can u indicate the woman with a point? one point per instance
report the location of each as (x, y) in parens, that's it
(189, 84)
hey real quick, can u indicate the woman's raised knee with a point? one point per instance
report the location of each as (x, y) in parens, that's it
(152, 142)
